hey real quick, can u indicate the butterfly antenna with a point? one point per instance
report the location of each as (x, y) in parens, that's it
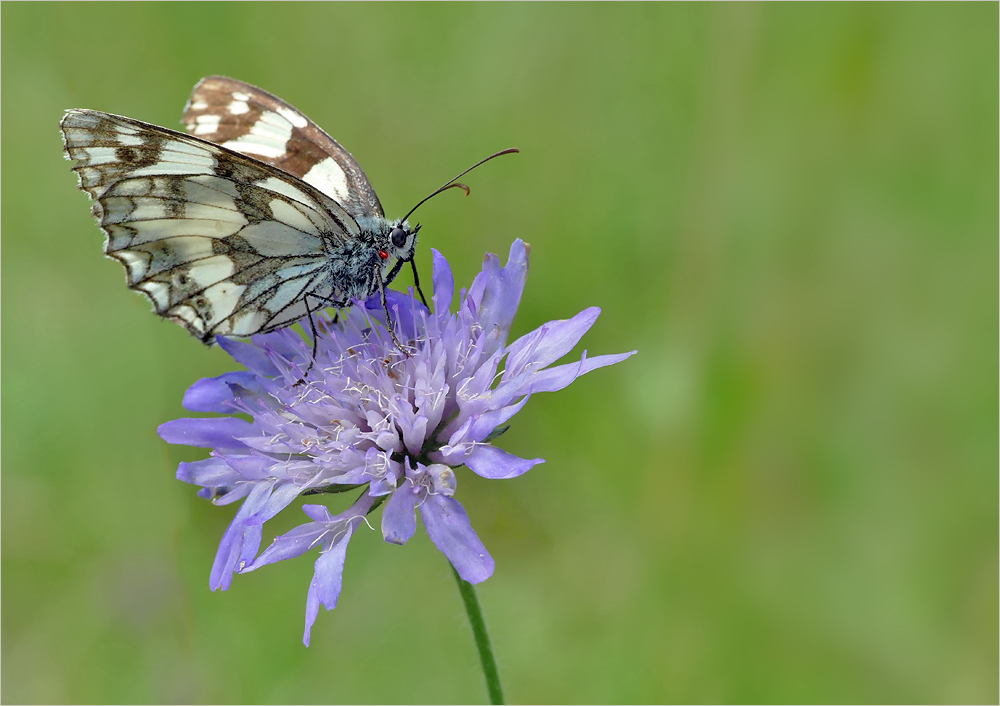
(451, 183)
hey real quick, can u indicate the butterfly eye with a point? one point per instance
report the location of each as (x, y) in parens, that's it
(398, 237)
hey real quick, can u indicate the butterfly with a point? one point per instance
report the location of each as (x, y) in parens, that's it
(249, 222)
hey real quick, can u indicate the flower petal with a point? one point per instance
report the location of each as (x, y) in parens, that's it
(484, 424)
(209, 473)
(214, 394)
(503, 295)
(490, 271)
(318, 513)
(399, 519)
(280, 498)
(553, 379)
(404, 310)
(448, 526)
(548, 343)
(252, 466)
(289, 545)
(284, 347)
(215, 433)
(444, 284)
(231, 546)
(250, 355)
(326, 582)
(490, 462)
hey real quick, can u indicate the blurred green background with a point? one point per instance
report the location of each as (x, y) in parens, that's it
(789, 495)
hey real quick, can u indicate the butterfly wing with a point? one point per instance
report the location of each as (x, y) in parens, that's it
(220, 243)
(252, 121)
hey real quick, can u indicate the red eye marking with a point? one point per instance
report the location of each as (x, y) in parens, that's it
(383, 254)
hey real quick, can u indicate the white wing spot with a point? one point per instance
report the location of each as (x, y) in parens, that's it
(99, 155)
(164, 167)
(290, 215)
(286, 294)
(294, 117)
(284, 188)
(240, 96)
(210, 271)
(276, 239)
(246, 147)
(158, 292)
(207, 124)
(328, 177)
(199, 105)
(239, 107)
(248, 322)
(268, 136)
(129, 138)
(188, 315)
(135, 263)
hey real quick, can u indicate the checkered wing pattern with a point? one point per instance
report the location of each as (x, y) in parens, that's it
(249, 120)
(219, 242)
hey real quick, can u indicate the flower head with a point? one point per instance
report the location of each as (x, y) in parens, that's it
(363, 415)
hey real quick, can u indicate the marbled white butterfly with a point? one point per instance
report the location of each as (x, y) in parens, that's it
(247, 224)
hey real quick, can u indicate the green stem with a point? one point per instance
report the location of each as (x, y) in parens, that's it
(468, 592)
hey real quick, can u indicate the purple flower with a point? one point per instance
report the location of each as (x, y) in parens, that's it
(365, 415)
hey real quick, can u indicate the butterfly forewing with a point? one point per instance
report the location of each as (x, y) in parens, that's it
(252, 121)
(220, 243)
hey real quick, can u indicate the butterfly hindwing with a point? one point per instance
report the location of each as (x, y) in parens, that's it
(251, 121)
(218, 242)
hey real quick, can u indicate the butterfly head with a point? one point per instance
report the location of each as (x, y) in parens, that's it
(397, 244)
(403, 240)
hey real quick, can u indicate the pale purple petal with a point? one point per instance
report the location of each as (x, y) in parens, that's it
(290, 545)
(549, 342)
(448, 527)
(554, 379)
(484, 424)
(476, 385)
(253, 532)
(414, 432)
(490, 462)
(211, 472)
(231, 546)
(224, 495)
(216, 432)
(214, 394)
(318, 513)
(280, 498)
(444, 284)
(404, 309)
(399, 519)
(503, 294)
(324, 589)
(250, 355)
(489, 273)
(251, 466)
(283, 345)
(450, 455)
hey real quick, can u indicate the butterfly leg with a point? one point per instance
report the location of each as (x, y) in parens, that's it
(388, 318)
(416, 283)
(315, 337)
